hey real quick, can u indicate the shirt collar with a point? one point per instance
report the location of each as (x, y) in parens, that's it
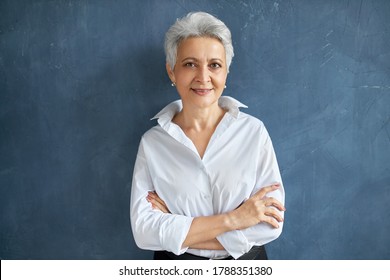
(226, 102)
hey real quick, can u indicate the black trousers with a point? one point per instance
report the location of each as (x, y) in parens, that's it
(256, 253)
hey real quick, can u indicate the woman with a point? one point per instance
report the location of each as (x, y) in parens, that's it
(206, 183)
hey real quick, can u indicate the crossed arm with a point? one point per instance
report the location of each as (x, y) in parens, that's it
(203, 231)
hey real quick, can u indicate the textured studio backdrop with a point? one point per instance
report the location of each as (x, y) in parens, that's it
(79, 81)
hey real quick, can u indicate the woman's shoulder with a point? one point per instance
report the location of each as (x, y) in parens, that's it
(153, 133)
(233, 106)
(250, 120)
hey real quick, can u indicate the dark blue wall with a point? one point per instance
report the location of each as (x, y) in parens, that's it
(79, 81)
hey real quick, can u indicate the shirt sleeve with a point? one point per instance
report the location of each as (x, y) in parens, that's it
(152, 229)
(239, 242)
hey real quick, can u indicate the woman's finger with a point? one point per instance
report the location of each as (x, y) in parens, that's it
(271, 220)
(270, 201)
(157, 205)
(263, 191)
(271, 212)
(157, 202)
(156, 197)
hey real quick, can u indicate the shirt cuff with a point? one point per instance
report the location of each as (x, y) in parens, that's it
(173, 232)
(235, 243)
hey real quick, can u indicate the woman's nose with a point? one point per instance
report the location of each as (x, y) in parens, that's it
(203, 75)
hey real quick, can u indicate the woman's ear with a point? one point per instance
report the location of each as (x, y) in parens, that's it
(170, 73)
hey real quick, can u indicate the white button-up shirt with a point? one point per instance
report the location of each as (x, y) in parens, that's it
(239, 160)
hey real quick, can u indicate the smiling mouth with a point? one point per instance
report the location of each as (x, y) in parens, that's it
(201, 91)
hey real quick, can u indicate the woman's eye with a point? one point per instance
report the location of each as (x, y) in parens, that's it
(215, 65)
(190, 64)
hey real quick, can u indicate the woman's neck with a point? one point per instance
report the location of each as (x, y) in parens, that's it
(199, 119)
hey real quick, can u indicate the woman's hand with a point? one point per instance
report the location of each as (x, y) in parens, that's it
(157, 202)
(257, 209)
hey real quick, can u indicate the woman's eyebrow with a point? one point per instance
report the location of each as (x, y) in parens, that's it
(189, 58)
(194, 59)
(216, 59)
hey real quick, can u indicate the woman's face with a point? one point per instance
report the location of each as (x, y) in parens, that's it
(200, 71)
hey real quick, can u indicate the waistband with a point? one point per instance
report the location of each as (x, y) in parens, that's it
(255, 253)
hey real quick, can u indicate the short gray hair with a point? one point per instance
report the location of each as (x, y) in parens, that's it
(198, 24)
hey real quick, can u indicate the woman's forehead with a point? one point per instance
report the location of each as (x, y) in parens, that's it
(199, 47)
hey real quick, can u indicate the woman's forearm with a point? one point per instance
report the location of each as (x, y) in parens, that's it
(207, 228)
(255, 210)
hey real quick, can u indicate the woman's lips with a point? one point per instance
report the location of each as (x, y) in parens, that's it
(201, 91)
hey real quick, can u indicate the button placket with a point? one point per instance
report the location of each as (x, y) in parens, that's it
(207, 179)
